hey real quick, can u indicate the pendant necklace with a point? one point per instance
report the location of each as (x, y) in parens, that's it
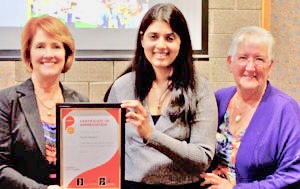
(162, 99)
(49, 109)
(238, 117)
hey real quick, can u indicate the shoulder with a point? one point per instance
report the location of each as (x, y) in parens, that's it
(8, 90)
(280, 100)
(125, 80)
(202, 84)
(225, 94)
(201, 80)
(122, 88)
(72, 95)
(15, 91)
(223, 97)
(278, 94)
(8, 93)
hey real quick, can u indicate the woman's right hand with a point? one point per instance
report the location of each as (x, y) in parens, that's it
(139, 117)
(54, 187)
(215, 181)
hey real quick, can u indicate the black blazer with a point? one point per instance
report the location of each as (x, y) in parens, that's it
(22, 144)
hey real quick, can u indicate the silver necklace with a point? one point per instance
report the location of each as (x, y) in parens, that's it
(238, 117)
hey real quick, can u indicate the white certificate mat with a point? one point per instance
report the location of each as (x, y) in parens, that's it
(90, 145)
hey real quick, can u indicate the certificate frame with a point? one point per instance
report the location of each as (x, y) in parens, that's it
(96, 160)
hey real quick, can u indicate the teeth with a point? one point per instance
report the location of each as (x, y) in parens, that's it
(160, 55)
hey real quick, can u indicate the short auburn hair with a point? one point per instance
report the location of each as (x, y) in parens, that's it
(55, 28)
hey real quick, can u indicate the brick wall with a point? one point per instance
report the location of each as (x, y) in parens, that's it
(92, 78)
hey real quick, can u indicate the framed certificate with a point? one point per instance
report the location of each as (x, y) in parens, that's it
(90, 145)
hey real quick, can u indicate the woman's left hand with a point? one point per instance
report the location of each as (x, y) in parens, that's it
(215, 181)
(139, 118)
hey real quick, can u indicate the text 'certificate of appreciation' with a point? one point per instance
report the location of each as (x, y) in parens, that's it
(90, 145)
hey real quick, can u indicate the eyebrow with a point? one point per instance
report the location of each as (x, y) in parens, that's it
(172, 33)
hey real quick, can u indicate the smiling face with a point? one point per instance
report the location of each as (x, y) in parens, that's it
(161, 44)
(250, 67)
(47, 56)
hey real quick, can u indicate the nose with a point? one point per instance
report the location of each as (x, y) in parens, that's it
(48, 53)
(250, 64)
(161, 43)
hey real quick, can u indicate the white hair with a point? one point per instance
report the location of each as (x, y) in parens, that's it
(254, 35)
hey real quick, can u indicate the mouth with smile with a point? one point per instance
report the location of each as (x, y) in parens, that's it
(161, 55)
(48, 63)
(249, 76)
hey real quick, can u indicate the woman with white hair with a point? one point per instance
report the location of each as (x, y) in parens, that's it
(258, 142)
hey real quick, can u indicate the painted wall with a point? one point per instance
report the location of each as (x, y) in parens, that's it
(92, 78)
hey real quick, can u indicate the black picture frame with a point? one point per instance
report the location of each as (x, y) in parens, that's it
(87, 109)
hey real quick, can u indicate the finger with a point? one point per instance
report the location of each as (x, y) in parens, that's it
(213, 187)
(211, 180)
(136, 105)
(132, 115)
(209, 175)
(215, 179)
(134, 118)
(204, 179)
(205, 182)
(129, 103)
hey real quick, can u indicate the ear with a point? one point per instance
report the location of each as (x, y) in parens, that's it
(229, 64)
(270, 68)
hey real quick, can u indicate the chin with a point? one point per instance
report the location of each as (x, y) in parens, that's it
(51, 75)
(161, 64)
(248, 85)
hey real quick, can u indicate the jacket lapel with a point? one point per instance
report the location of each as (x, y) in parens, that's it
(29, 106)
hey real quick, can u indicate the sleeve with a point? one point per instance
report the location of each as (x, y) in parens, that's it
(287, 160)
(9, 177)
(197, 153)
